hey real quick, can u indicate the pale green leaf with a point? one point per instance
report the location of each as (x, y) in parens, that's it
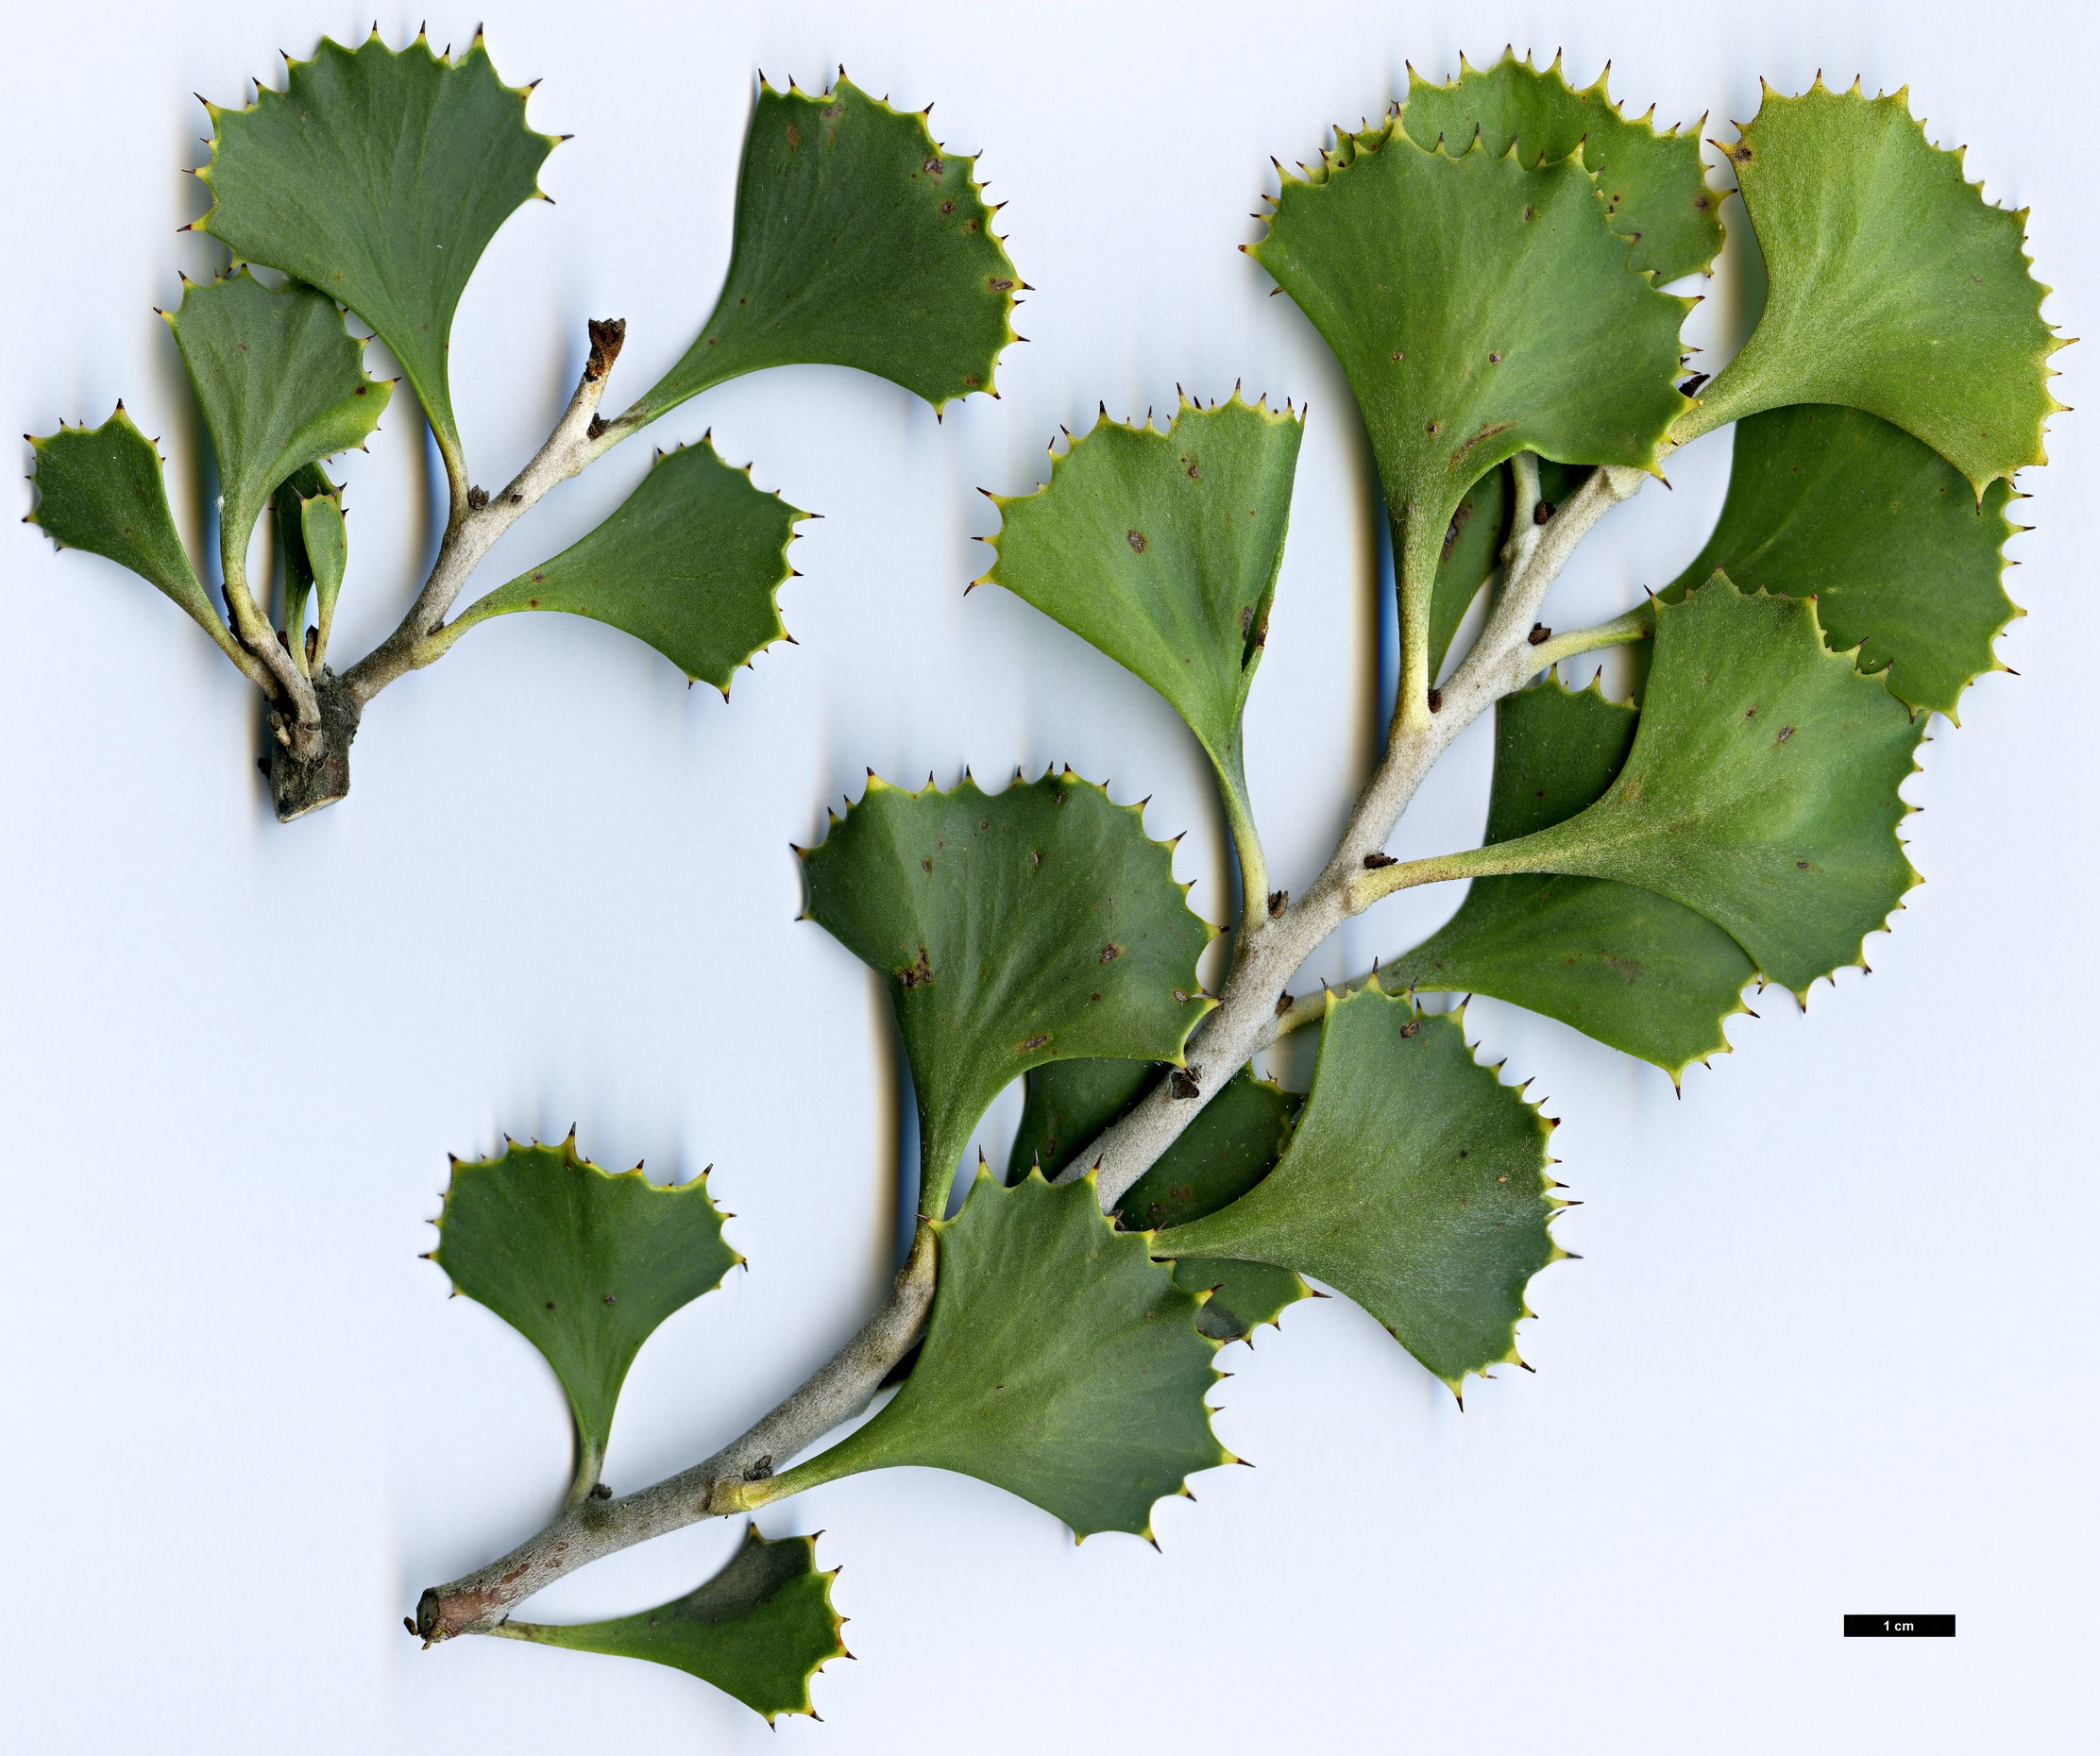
(1414, 1183)
(1035, 925)
(690, 562)
(1624, 965)
(378, 177)
(1655, 185)
(861, 241)
(582, 1263)
(1060, 1363)
(1894, 287)
(281, 381)
(1884, 533)
(1479, 308)
(1161, 549)
(759, 1630)
(1761, 789)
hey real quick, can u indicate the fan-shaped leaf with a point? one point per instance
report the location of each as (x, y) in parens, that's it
(1060, 1363)
(861, 241)
(281, 383)
(1624, 965)
(378, 177)
(101, 489)
(690, 563)
(584, 1264)
(1415, 1182)
(1480, 308)
(1036, 925)
(1655, 185)
(1761, 789)
(759, 1630)
(1229, 1147)
(1837, 504)
(1894, 288)
(1161, 549)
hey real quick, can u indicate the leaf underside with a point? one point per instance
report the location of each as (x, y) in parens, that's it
(378, 177)
(759, 1630)
(1415, 1182)
(1624, 965)
(1884, 533)
(1229, 1147)
(689, 563)
(1894, 287)
(1161, 549)
(1761, 789)
(102, 489)
(280, 382)
(861, 241)
(1472, 548)
(1655, 185)
(1479, 308)
(1060, 1363)
(582, 1263)
(1034, 925)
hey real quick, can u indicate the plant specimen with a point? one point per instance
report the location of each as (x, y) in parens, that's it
(372, 183)
(1487, 266)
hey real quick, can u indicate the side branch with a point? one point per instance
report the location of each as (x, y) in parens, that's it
(477, 521)
(594, 1528)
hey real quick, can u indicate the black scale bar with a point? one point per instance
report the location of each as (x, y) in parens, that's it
(1899, 1628)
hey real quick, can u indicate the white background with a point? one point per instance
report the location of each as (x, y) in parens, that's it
(1830, 1347)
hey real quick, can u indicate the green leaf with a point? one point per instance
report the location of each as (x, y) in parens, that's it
(1881, 531)
(1472, 548)
(1414, 1183)
(282, 385)
(1479, 308)
(690, 563)
(582, 1263)
(861, 241)
(1761, 789)
(1034, 926)
(1060, 1363)
(1229, 1147)
(1632, 969)
(289, 503)
(101, 489)
(378, 177)
(1655, 185)
(1161, 549)
(1894, 288)
(325, 545)
(759, 1630)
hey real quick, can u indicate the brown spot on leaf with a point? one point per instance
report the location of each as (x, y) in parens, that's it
(919, 973)
(947, 207)
(999, 285)
(1111, 953)
(1410, 1027)
(1136, 540)
(1785, 733)
(1033, 1044)
(932, 167)
(794, 137)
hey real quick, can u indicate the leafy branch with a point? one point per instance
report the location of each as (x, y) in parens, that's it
(1484, 265)
(373, 182)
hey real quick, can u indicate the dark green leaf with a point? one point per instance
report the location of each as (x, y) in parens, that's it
(690, 563)
(861, 241)
(1894, 287)
(1761, 789)
(1836, 504)
(1472, 548)
(289, 503)
(1624, 965)
(378, 177)
(1655, 186)
(101, 489)
(1479, 309)
(1227, 1149)
(1060, 1363)
(1414, 1183)
(1161, 549)
(1036, 925)
(759, 1630)
(584, 1264)
(281, 383)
